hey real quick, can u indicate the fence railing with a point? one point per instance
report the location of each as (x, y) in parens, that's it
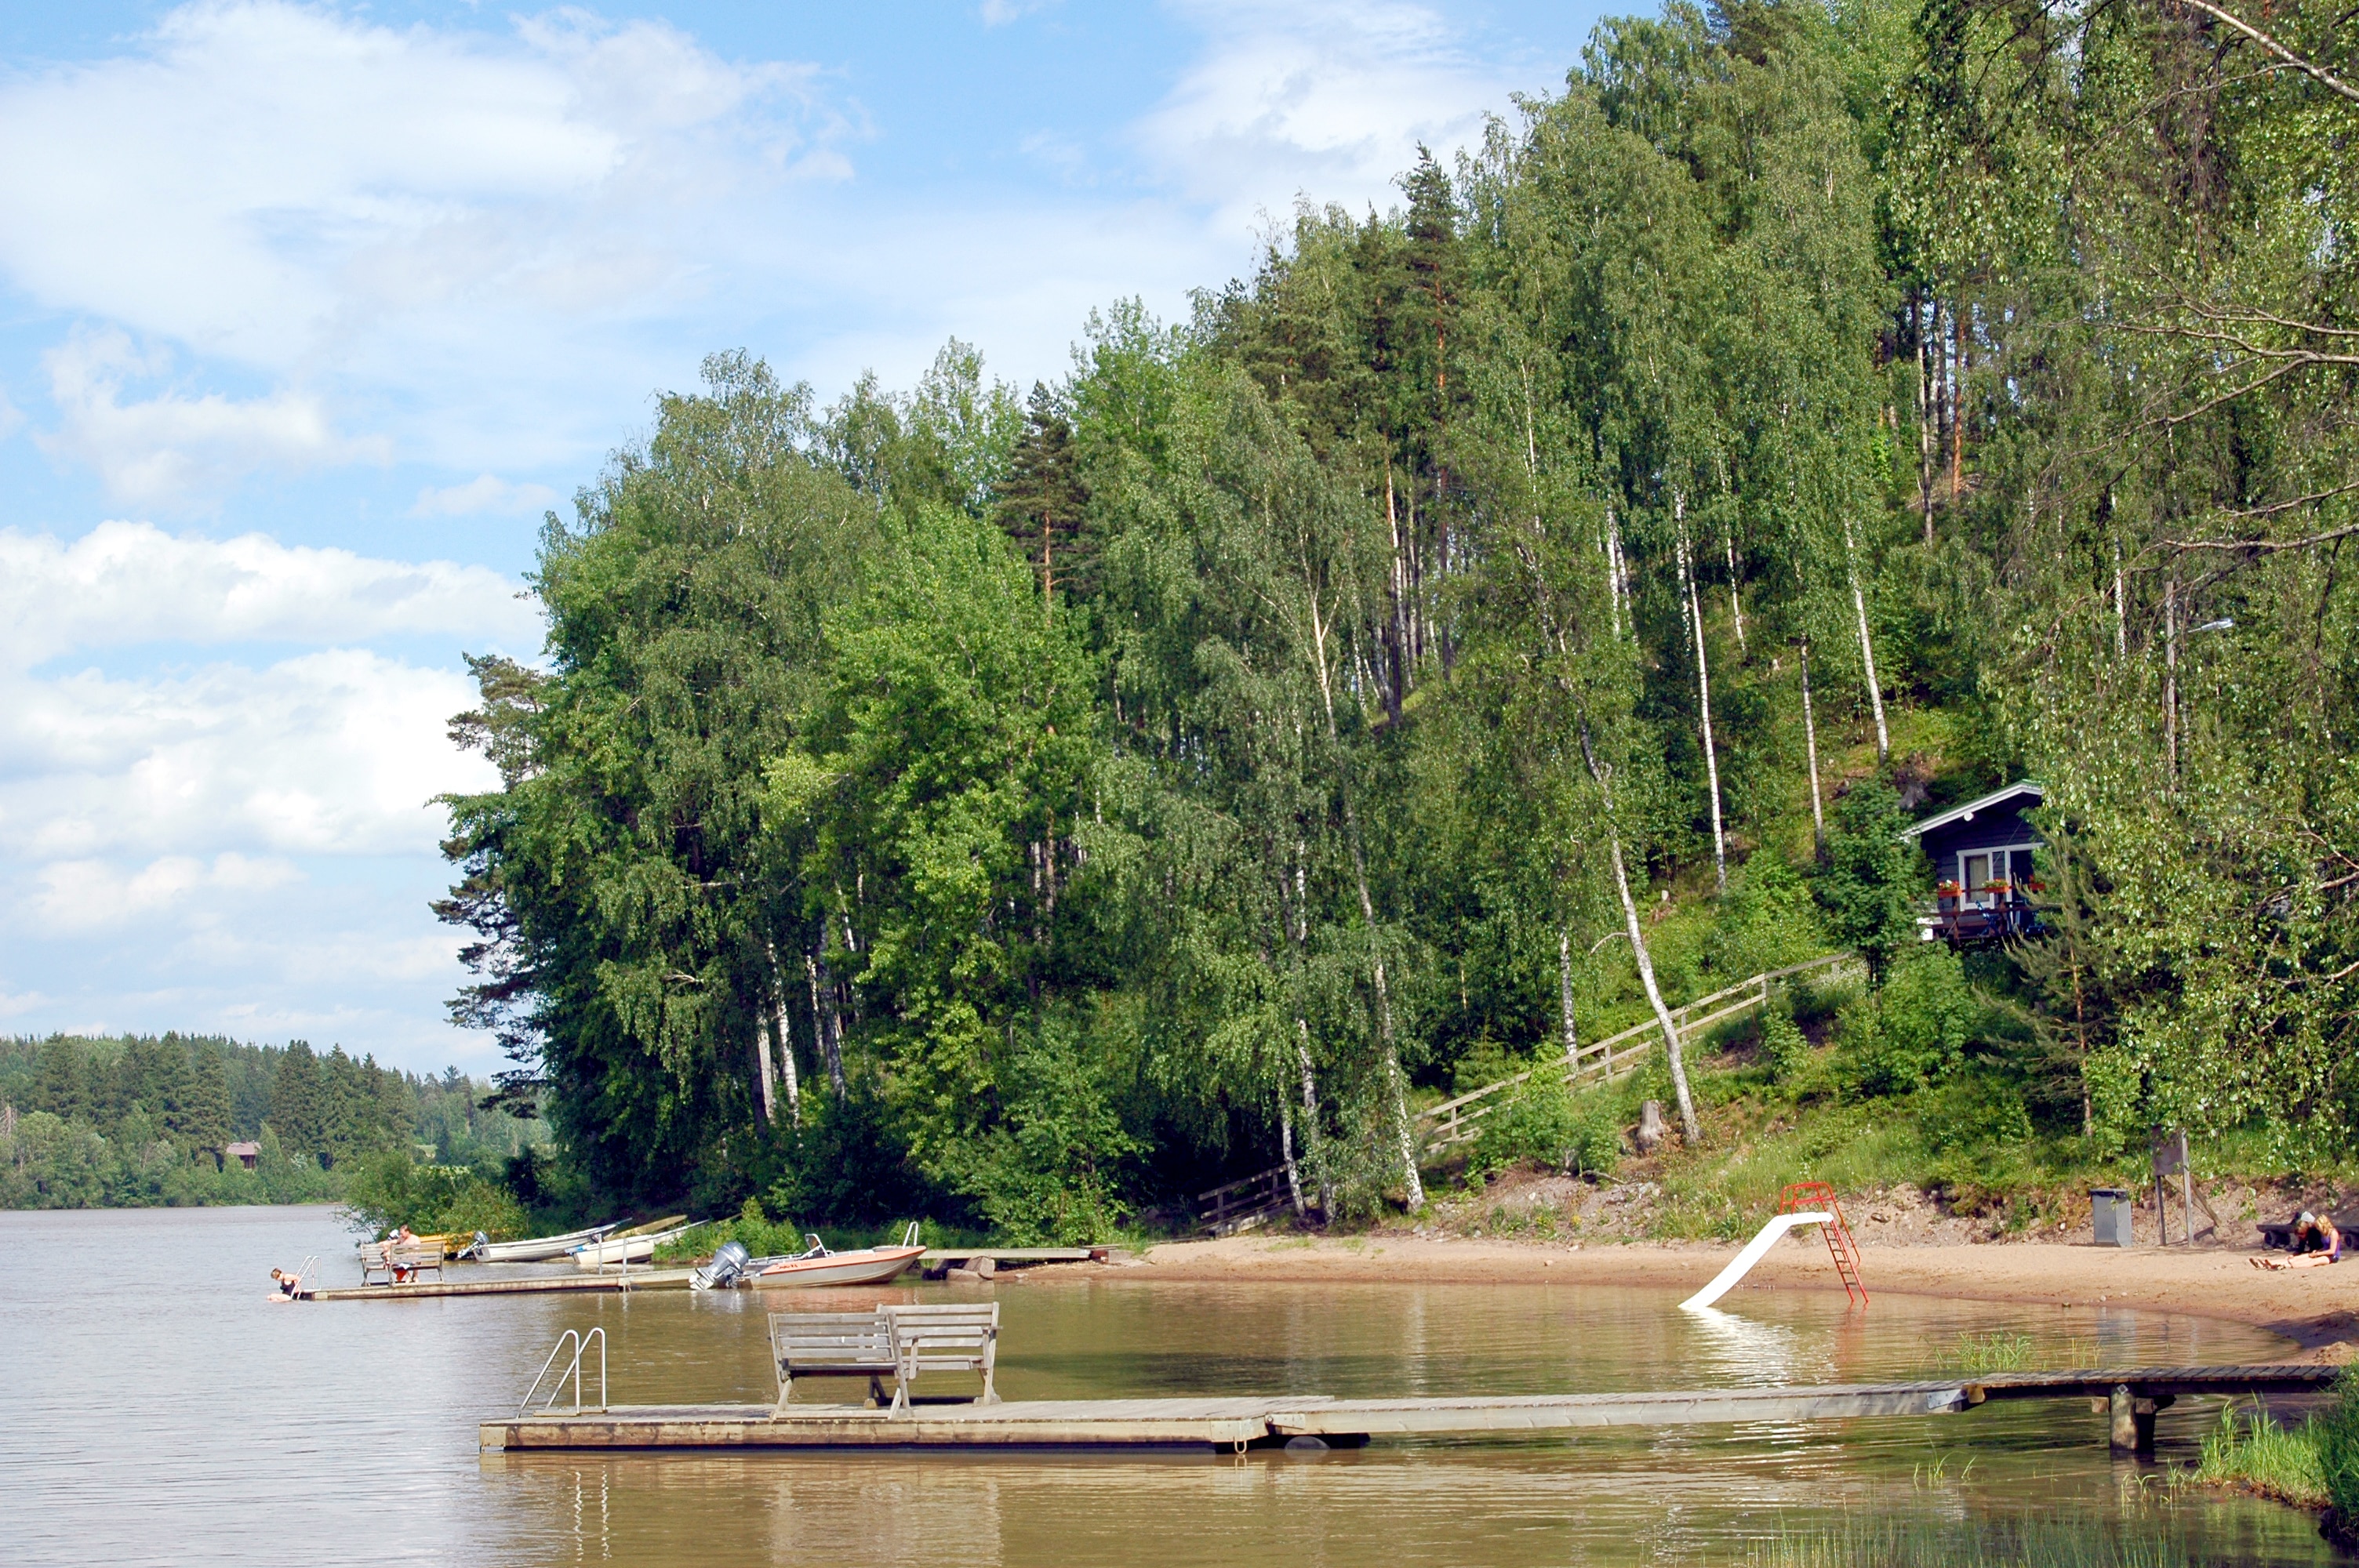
(1249, 1200)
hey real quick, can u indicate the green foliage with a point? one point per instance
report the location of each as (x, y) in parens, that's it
(1871, 880)
(1540, 1122)
(389, 1189)
(2336, 1430)
(1914, 1031)
(1291, 713)
(1785, 1050)
(2249, 1450)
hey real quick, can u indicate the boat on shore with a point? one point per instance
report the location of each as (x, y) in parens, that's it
(626, 1249)
(535, 1249)
(862, 1265)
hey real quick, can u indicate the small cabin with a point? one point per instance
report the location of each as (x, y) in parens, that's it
(1981, 855)
(245, 1155)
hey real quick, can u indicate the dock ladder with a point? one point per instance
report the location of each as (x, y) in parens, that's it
(581, 1343)
(1819, 1196)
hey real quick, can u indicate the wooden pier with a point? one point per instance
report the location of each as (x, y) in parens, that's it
(537, 1285)
(2132, 1396)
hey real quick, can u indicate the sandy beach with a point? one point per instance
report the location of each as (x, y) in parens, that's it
(2312, 1307)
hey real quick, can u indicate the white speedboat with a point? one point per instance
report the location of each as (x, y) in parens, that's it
(538, 1249)
(863, 1266)
(624, 1248)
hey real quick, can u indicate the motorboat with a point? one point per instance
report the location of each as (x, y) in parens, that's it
(863, 1266)
(637, 1248)
(538, 1249)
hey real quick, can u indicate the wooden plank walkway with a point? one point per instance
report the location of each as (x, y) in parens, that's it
(1236, 1423)
(646, 1279)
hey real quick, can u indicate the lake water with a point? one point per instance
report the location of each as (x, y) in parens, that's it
(156, 1408)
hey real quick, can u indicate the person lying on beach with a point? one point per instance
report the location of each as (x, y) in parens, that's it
(2314, 1244)
(288, 1285)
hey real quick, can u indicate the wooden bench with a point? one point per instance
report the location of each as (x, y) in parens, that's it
(833, 1345)
(896, 1342)
(943, 1339)
(393, 1259)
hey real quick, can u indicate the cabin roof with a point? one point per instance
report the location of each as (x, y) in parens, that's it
(1966, 812)
(241, 1148)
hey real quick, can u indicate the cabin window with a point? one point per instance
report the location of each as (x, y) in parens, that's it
(1986, 876)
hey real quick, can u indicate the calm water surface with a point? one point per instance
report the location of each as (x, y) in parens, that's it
(158, 1409)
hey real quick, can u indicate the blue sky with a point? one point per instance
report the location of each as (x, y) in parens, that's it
(307, 312)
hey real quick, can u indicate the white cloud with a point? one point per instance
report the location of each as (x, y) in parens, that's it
(260, 176)
(999, 13)
(484, 492)
(128, 583)
(1327, 99)
(332, 753)
(173, 449)
(87, 896)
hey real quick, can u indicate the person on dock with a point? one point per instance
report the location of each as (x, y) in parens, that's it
(2315, 1243)
(400, 1236)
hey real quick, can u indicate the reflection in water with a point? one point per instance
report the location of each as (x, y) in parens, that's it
(179, 1418)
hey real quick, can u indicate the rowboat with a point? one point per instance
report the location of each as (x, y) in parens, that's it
(624, 1248)
(538, 1250)
(864, 1266)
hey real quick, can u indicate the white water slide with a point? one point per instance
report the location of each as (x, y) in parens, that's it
(1754, 1249)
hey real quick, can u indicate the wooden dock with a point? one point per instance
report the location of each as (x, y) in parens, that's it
(537, 1284)
(2132, 1396)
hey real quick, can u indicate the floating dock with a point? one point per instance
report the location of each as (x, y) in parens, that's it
(932, 1263)
(2131, 1396)
(537, 1285)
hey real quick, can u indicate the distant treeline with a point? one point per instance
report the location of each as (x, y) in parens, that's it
(145, 1119)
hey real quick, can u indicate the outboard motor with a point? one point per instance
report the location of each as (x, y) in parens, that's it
(476, 1250)
(730, 1260)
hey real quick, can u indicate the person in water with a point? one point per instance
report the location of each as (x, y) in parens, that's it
(2315, 1243)
(288, 1284)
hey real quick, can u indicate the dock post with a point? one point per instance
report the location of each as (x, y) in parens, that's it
(2123, 1410)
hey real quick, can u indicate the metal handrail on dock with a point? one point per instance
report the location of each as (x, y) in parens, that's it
(574, 1370)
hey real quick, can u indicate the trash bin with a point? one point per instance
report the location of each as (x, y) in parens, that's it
(2110, 1206)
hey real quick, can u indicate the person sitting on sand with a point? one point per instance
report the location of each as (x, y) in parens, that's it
(2314, 1244)
(288, 1284)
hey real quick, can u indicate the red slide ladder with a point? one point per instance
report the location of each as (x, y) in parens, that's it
(1802, 1197)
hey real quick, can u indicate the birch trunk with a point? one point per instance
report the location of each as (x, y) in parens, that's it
(1736, 607)
(1866, 643)
(1925, 423)
(762, 1052)
(1564, 996)
(2171, 675)
(827, 1023)
(1704, 696)
(1810, 746)
(1631, 928)
(1394, 1080)
(1285, 1147)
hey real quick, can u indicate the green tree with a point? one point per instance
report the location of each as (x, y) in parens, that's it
(1872, 880)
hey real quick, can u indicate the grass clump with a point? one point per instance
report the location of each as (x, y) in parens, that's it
(1886, 1541)
(2250, 1452)
(1992, 1352)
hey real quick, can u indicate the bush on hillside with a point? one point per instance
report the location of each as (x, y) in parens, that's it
(1543, 1122)
(1911, 1033)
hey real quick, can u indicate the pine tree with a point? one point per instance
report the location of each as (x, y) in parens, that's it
(298, 1109)
(1043, 505)
(203, 1114)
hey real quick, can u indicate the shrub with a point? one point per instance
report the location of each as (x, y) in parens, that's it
(1913, 1031)
(1785, 1052)
(1973, 1113)
(1542, 1121)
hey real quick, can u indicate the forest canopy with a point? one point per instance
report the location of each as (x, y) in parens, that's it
(1496, 619)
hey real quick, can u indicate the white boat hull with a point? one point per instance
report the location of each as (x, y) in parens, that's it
(869, 1266)
(539, 1248)
(623, 1248)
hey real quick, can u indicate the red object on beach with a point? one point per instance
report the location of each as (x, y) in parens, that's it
(1801, 1197)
